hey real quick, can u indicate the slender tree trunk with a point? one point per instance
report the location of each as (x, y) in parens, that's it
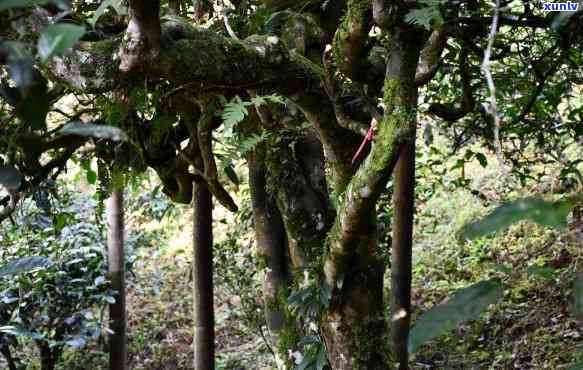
(198, 6)
(271, 247)
(116, 263)
(403, 198)
(175, 6)
(202, 269)
(48, 356)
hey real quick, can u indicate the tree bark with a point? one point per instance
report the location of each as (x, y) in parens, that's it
(175, 7)
(116, 263)
(271, 247)
(401, 269)
(202, 269)
(354, 327)
(48, 356)
(141, 44)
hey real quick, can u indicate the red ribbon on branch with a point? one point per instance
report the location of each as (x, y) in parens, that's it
(368, 138)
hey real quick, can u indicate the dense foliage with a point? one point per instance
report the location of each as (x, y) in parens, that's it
(321, 102)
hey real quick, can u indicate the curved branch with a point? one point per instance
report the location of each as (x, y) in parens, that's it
(452, 114)
(431, 57)
(331, 85)
(204, 134)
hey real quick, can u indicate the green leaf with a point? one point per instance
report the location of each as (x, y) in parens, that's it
(10, 178)
(306, 361)
(91, 176)
(24, 264)
(233, 113)
(117, 5)
(547, 273)
(232, 175)
(544, 213)
(31, 104)
(576, 366)
(427, 15)
(92, 130)
(321, 358)
(466, 304)
(577, 307)
(482, 159)
(57, 38)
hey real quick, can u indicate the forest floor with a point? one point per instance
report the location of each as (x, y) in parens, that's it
(531, 328)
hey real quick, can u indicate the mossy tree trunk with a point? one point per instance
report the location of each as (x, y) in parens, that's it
(326, 201)
(271, 249)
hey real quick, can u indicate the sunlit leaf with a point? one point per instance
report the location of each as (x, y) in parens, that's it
(24, 264)
(99, 280)
(91, 176)
(233, 113)
(110, 299)
(544, 213)
(56, 38)
(92, 130)
(466, 304)
(117, 5)
(306, 361)
(76, 343)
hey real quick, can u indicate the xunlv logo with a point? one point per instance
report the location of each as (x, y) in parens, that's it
(559, 7)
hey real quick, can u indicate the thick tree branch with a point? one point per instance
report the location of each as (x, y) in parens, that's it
(349, 45)
(431, 57)
(205, 61)
(358, 201)
(141, 42)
